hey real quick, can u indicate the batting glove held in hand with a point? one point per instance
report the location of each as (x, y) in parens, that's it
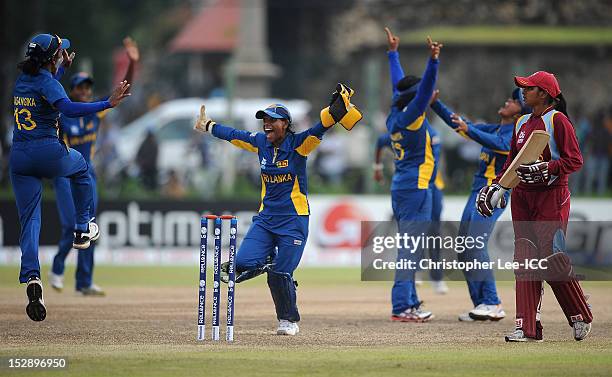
(340, 109)
(490, 197)
(204, 123)
(533, 173)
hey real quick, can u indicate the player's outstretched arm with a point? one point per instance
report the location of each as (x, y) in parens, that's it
(497, 141)
(444, 112)
(425, 90)
(133, 53)
(395, 67)
(240, 138)
(78, 109)
(426, 87)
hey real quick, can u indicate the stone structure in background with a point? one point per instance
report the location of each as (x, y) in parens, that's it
(251, 64)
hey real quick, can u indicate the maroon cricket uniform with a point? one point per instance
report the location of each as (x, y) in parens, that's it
(540, 214)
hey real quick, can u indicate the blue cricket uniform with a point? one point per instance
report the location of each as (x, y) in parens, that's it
(37, 153)
(414, 168)
(495, 140)
(436, 186)
(282, 221)
(80, 133)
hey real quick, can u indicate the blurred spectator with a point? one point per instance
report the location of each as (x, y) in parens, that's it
(331, 158)
(598, 159)
(6, 138)
(583, 129)
(153, 100)
(174, 188)
(204, 179)
(146, 159)
(106, 154)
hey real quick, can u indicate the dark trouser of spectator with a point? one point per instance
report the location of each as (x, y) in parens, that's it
(597, 169)
(149, 179)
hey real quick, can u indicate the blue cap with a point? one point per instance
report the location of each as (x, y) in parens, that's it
(79, 78)
(44, 46)
(517, 94)
(276, 111)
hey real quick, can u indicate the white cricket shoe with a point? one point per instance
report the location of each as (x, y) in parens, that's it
(519, 336)
(487, 312)
(56, 281)
(92, 290)
(439, 287)
(413, 315)
(287, 328)
(82, 240)
(36, 305)
(465, 317)
(581, 330)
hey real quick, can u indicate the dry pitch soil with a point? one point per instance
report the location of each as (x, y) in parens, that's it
(331, 317)
(344, 317)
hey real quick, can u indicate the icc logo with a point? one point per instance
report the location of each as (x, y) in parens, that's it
(233, 231)
(203, 230)
(217, 231)
(216, 285)
(202, 283)
(230, 284)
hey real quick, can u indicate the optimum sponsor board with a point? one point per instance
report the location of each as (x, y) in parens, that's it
(167, 232)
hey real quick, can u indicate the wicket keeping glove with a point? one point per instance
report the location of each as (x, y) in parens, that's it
(340, 109)
(533, 173)
(490, 197)
(204, 123)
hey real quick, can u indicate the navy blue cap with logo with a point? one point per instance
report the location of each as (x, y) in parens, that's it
(43, 47)
(79, 78)
(276, 111)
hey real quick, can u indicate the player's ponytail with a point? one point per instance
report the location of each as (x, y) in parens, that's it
(561, 105)
(29, 66)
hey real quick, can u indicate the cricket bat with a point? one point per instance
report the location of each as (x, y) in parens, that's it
(531, 151)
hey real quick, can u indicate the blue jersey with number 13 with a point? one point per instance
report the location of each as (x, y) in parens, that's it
(33, 99)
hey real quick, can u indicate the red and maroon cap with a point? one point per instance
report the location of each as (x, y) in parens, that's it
(546, 81)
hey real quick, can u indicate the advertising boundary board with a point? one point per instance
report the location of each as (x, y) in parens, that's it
(167, 232)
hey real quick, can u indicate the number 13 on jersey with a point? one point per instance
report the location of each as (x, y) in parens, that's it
(28, 123)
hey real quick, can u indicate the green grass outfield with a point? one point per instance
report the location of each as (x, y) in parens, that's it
(426, 360)
(512, 35)
(470, 358)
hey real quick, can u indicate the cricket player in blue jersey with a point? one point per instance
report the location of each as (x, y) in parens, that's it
(436, 186)
(80, 133)
(495, 141)
(414, 168)
(37, 153)
(282, 221)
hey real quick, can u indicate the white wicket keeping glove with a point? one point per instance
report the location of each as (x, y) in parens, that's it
(204, 123)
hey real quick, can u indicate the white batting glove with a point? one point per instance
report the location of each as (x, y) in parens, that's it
(533, 173)
(489, 198)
